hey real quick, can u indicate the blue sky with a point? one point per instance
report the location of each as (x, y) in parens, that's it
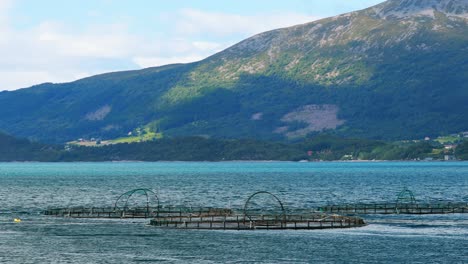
(61, 41)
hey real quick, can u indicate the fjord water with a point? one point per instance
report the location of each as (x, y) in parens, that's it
(28, 188)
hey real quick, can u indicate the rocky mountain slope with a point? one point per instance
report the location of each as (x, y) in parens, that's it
(395, 70)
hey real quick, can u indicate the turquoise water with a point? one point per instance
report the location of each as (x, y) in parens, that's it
(28, 188)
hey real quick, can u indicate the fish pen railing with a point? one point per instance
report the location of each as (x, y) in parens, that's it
(137, 212)
(102, 212)
(268, 222)
(181, 211)
(405, 203)
(397, 208)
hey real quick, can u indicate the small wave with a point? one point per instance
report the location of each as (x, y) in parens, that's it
(421, 230)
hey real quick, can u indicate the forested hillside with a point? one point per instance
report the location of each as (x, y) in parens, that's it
(398, 70)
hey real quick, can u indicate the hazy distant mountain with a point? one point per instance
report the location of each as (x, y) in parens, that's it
(395, 70)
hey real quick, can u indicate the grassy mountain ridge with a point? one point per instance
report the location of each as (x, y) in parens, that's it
(393, 71)
(65, 111)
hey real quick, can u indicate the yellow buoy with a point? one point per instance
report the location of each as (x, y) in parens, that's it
(17, 220)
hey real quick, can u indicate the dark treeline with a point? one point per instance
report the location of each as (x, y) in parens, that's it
(202, 149)
(462, 151)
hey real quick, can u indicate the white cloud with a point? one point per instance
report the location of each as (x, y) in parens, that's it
(180, 51)
(52, 51)
(49, 52)
(152, 61)
(11, 80)
(4, 7)
(207, 46)
(107, 41)
(195, 22)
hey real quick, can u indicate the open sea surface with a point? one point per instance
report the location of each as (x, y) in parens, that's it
(28, 188)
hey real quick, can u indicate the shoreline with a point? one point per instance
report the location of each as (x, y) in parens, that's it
(239, 161)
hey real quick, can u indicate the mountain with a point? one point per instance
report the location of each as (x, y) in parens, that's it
(397, 70)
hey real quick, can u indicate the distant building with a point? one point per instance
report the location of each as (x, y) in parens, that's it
(427, 138)
(449, 157)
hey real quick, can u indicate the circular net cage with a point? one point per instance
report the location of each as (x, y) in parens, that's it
(264, 206)
(405, 197)
(137, 199)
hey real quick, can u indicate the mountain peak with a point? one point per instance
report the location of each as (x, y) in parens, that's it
(412, 8)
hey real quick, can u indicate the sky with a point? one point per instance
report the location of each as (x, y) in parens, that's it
(61, 41)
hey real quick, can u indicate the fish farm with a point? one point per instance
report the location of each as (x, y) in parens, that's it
(267, 222)
(252, 217)
(134, 212)
(262, 210)
(122, 207)
(405, 203)
(394, 208)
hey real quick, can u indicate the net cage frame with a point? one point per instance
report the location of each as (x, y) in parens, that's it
(405, 196)
(148, 193)
(249, 199)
